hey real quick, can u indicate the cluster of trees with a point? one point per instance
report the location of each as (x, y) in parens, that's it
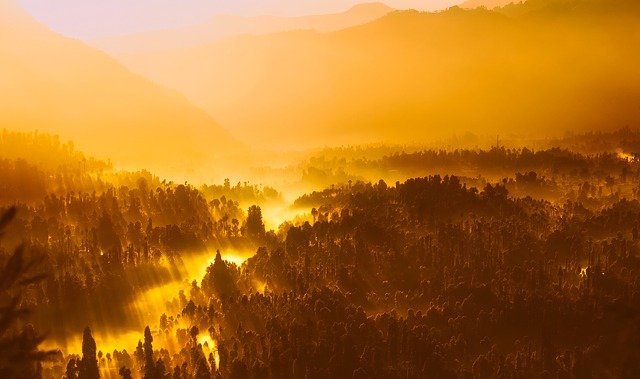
(47, 151)
(497, 161)
(436, 276)
(107, 247)
(427, 278)
(241, 192)
(557, 175)
(624, 140)
(33, 165)
(431, 279)
(103, 236)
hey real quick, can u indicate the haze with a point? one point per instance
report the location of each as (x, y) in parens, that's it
(411, 76)
(101, 18)
(359, 74)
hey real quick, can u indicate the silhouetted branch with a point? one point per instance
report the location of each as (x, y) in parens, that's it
(19, 354)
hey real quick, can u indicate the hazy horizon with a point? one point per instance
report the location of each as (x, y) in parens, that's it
(332, 80)
(89, 20)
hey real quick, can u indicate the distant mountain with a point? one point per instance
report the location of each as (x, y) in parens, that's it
(556, 8)
(489, 4)
(221, 27)
(59, 85)
(584, 9)
(536, 68)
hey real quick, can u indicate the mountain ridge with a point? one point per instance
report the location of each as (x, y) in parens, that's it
(407, 76)
(489, 4)
(227, 26)
(62, 86)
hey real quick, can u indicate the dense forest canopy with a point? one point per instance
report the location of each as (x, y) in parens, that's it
(434, 275)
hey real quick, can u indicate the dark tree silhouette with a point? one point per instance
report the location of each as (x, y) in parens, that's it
(125, 373)
(89, 363)
(533, 275)
(150, 371)
(72, 369)
(255, 225)
(19, 353)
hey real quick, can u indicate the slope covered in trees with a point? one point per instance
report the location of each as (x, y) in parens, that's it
(432, 276)
(489, 4)
(104, 237)
(425, 279)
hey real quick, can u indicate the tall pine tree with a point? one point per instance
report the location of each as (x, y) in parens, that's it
(89, 362)
(149, 364)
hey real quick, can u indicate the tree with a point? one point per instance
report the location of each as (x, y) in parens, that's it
(164, 323)
(149, 364)
(160, 369)
(125, 373)
(72, 369)
(189, 309)
(177, 374)
(219, 279)
(89, 362)
(200, 364)
(255, 226)
(139, 354)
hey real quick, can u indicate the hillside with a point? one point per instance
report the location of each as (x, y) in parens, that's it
(227, 26)
(413, 76)
(489, 4)
(61, 86)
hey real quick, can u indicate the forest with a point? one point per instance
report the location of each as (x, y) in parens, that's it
(305, 189)
(527, 266)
